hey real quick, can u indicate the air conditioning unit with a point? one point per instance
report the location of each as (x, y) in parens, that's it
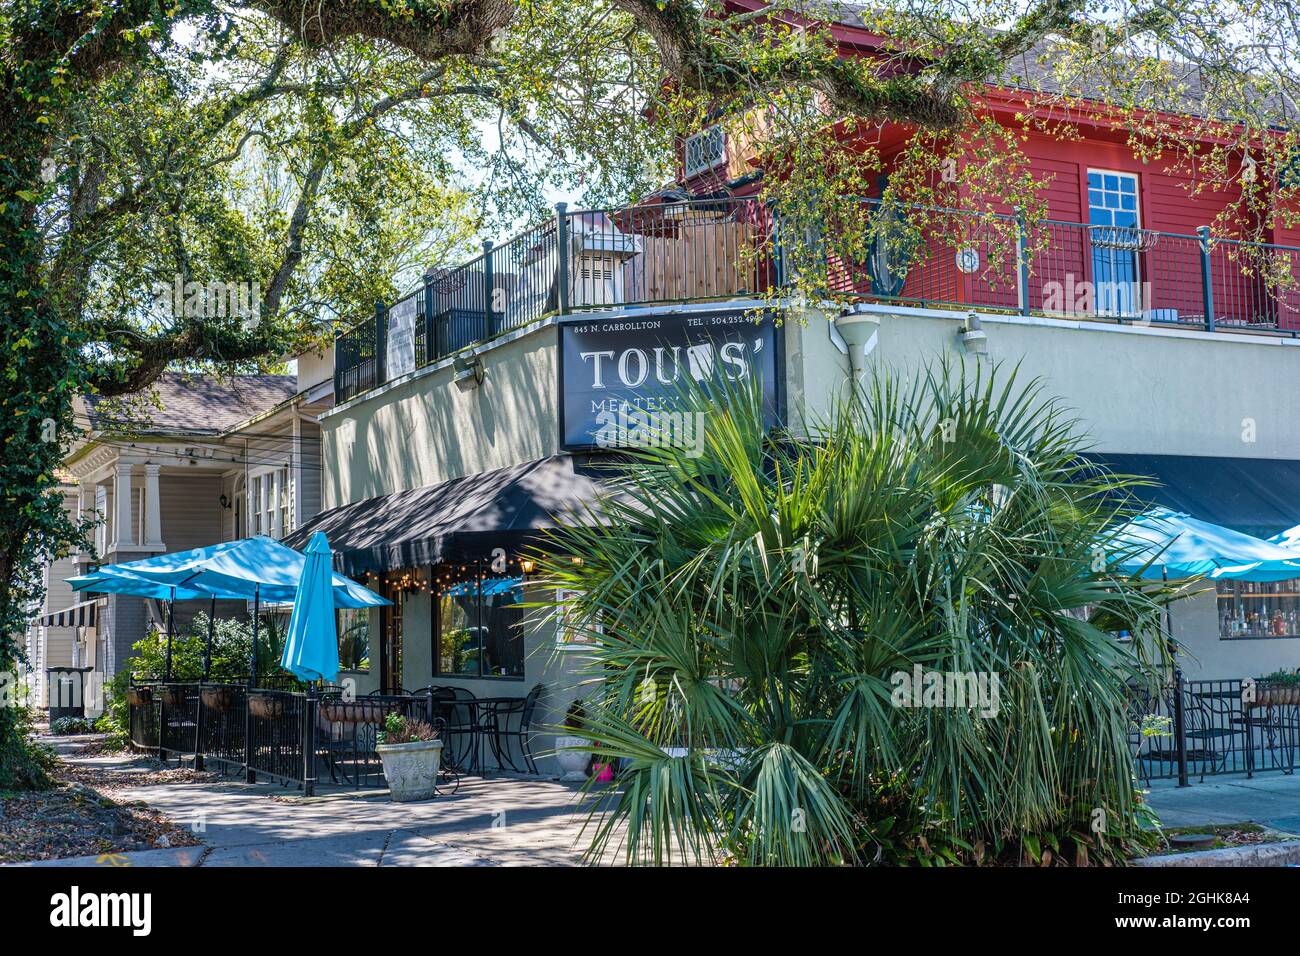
(599, 250)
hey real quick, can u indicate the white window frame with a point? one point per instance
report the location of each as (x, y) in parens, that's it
(709, 147)
(270, 495)
(1137, 218)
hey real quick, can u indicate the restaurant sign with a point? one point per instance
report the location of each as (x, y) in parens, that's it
(621, 377)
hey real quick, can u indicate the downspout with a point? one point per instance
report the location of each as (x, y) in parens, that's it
(859, 329)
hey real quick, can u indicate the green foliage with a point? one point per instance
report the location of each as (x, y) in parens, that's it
(24, 764)
(399, 729)
(758, 605)
(64, 726)
(1283, 678)
(116, 718)
(232, 639)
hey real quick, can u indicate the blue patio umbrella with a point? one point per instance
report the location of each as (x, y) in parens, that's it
(311, 649)
(258, 568)
(1167, 544)
(1290, 538)
(253, 569)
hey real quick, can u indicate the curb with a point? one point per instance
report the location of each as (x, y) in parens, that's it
(1286, 853)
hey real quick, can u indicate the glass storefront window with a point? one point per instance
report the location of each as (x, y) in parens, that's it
(480, 629)
(354, 639)
(1259, 610)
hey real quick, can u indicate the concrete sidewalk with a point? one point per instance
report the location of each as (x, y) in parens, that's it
(493, 821)
(1271, 799)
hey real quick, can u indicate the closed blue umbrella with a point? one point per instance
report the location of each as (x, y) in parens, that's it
(311, 650)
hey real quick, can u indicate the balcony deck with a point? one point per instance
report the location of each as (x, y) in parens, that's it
(717, 249)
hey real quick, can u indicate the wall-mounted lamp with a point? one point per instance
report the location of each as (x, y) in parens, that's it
(527, 564)
(467, 371)
(973, 337)
(225, 503)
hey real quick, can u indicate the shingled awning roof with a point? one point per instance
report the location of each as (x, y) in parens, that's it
(462, 519)
(191, 404)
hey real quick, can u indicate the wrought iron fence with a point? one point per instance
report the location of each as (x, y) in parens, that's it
(295, 738)
(1205, 728)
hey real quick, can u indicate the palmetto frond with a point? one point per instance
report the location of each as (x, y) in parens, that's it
(757, 602)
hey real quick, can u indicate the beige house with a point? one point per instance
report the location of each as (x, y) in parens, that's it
(199, 461)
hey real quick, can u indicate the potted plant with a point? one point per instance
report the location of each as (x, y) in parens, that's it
(411, 752)
(172, 695)
(1279, 689)
(354, 712)
(572, 751)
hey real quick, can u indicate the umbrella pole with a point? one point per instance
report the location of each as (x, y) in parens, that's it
(207, 651)
(257, 614)
(171, 629)
(250, 775)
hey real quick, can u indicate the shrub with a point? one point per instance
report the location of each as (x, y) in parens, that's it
(67, 726)
(24, 764)
(402, 730)
(759, 602)
(232, 639)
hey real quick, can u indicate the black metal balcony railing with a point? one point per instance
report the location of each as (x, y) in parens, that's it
(726, 248)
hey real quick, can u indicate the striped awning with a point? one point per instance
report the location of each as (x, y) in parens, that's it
(79, 615)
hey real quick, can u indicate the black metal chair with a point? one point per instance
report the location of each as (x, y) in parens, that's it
(1211, 730)
(496, 723)
(459, 710)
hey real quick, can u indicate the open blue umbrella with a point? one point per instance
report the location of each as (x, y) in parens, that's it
(257, 568)
(1290, 538)
(1163, 543)
(311, 649)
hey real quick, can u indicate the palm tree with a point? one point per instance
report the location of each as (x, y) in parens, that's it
(755, 611)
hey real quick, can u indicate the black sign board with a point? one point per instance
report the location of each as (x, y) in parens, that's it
(614, 368)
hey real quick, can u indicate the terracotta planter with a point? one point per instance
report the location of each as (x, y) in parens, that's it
(354, 712)
(1277, 695)
(265, 706)
(411, 769)
(139, 696)
(217, 699)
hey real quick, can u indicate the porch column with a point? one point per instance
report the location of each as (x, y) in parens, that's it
(152, 509)
(123, 533)
(101, 529)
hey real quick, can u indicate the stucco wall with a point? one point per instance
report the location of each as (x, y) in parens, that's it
(1137, 390)
(425, 429)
